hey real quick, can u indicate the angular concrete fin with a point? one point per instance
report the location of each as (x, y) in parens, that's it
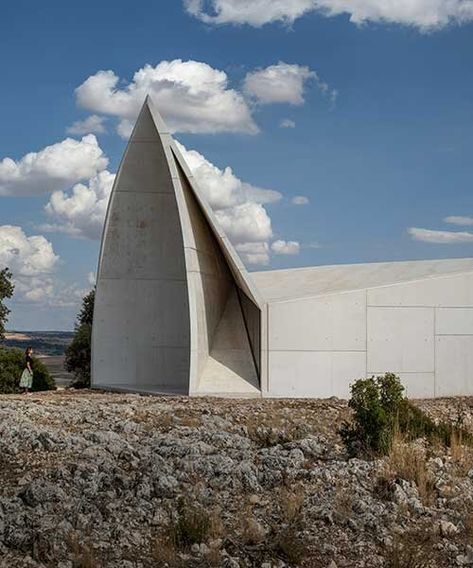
(221, 358)
(241, 275)
(169, 283)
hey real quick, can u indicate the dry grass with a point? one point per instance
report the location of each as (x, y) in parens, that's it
(408, 461)
(163, 552)
(191, 522)
(82, 553)
(461, 455)
(291, 503)
(413, 550)
(252, 531)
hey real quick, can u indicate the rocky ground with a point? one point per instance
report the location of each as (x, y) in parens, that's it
(90, 480)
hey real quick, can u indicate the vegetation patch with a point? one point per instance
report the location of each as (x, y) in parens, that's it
(12, 363)
(380, 410)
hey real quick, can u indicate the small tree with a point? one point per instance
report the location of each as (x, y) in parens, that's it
(375, 403)
(380, 410)
(6, 291)
(78, 352)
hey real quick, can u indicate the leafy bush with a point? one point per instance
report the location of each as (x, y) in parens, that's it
(381, 410)
(12, 363)
(78, 353)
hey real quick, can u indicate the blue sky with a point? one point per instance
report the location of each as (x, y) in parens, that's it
(361, 110)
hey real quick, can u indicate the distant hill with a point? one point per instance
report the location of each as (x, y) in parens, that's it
(42, 342)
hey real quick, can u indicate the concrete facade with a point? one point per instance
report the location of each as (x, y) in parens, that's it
(177, 312)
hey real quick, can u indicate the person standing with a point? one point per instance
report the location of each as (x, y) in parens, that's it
(26, 381)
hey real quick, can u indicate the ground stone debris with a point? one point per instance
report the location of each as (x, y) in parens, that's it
(89, 479)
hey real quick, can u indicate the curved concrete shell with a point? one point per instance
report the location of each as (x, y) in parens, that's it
(177, 312)
(175, 307)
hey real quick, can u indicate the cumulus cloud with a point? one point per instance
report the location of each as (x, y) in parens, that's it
(81, 212)
(440, 237)
(254, 253)
(281, 83)
(300, 200)
(90, 125)
(221, 187)
(192, 97)
(422, 14)
(248, 222)
(285, 247)
(459, 220)
(52, 168)
(284, 83)
(287, 123)
(31, 259)
(33, 263)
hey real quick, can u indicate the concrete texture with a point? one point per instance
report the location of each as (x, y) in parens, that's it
(176, 311)
(167, 314)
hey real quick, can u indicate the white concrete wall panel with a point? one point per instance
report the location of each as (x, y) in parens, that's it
(134, 237)
(400, 340)
(335, 323)
(449, 291)
(418, 385)
(141, 337)
(454, 321)
(318, 374)
(454, 365)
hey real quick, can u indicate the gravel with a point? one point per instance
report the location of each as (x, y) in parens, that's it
(89, 479)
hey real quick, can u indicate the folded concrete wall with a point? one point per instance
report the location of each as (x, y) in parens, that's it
(167, 316)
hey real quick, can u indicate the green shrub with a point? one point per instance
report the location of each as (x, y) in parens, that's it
(380, 410)
(12, 363)
(78, 353)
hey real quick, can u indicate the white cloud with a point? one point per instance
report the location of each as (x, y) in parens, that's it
(33, 263)
(81, 212)
(285, 247)
(255, 12)
(221, 187)
(52, 168)
(285, 83)
(91, 124)
(31, 260)
(254, 253)
(459, 220)
(287, 123)
(248, 222)
(440, 237)
(300, 200)
(281, 83)
(192, 97)
(422, 14)
(91, 278)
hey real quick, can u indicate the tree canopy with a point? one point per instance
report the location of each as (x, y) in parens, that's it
(78, 352)
(6, 291)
